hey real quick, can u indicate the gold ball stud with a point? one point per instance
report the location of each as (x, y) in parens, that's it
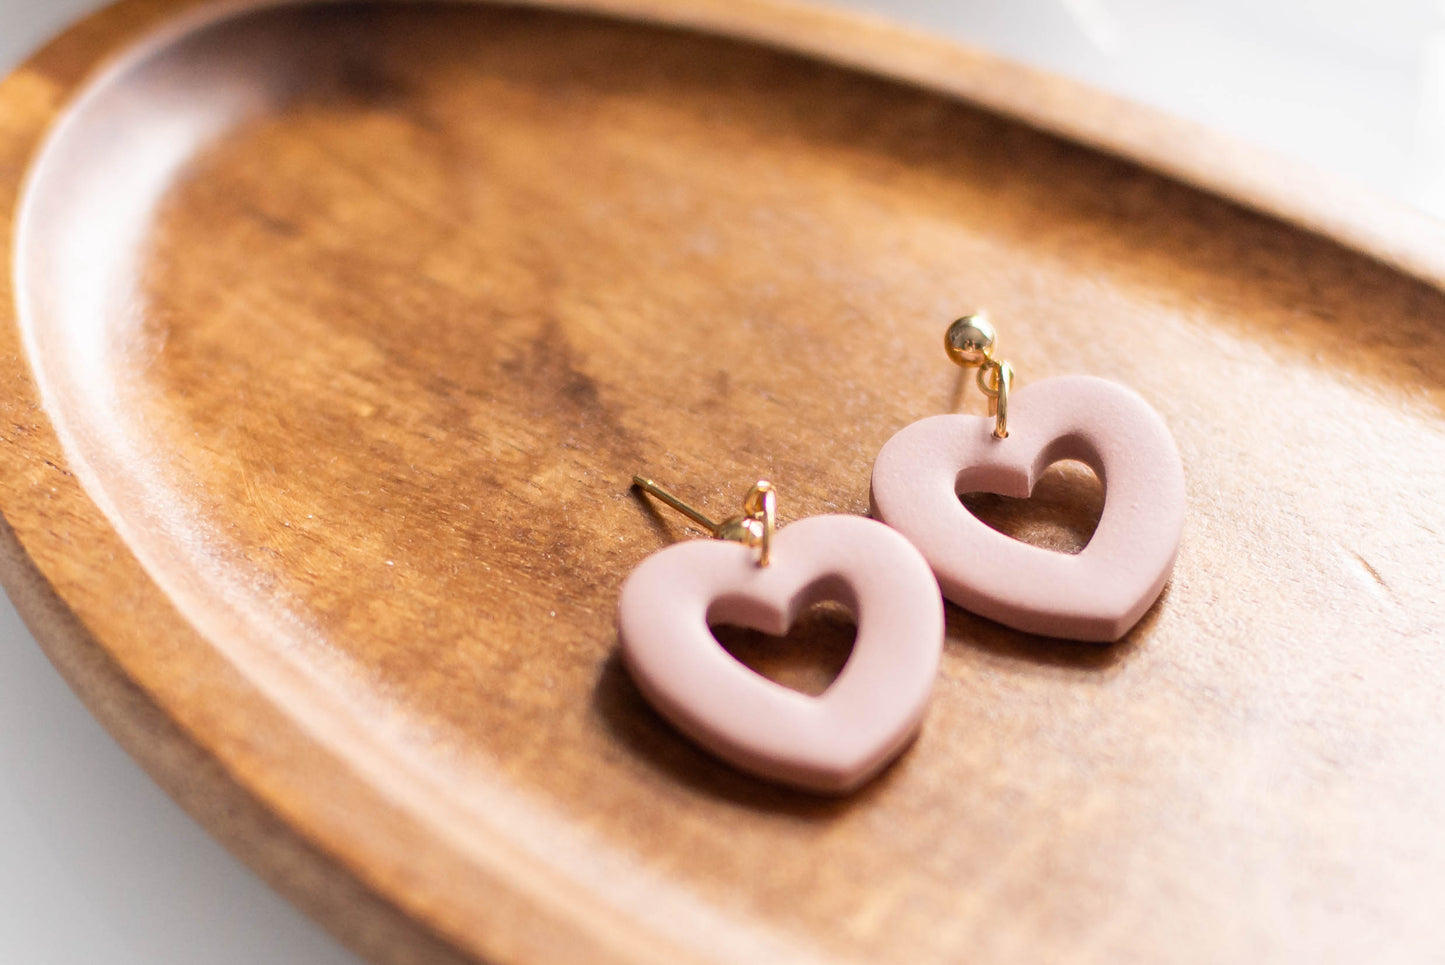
(970, 340)
(741, 529)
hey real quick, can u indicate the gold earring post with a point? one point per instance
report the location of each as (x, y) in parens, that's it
(754, 528)
(691, 512)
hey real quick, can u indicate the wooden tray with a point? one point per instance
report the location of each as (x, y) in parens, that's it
(339, 330)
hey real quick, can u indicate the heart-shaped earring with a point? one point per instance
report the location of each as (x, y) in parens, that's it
(1097, 594)
(754, 577)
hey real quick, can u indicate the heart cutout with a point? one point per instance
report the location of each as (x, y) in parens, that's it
(1060, 514)
(1096, 594)
(831, 743)
(808, 658)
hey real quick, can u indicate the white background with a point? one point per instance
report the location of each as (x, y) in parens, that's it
(98, 867)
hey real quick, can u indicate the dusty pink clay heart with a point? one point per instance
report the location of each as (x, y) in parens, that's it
(1097, 594)
(831, 743)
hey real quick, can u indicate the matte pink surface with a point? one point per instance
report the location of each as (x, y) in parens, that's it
(1101, 592)
(831, 743)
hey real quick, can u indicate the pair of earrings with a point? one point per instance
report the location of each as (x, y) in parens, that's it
(889, 576)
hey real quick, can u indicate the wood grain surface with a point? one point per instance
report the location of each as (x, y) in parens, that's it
(336, 332)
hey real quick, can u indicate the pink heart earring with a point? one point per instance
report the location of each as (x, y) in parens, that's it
(761, 576)
(1097, 594)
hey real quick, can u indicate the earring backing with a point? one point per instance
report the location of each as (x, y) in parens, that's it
(970, 341)
(753, 527)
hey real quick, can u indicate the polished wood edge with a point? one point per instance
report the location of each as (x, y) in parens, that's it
(1295, 192)
(194, 778)
(304, 858)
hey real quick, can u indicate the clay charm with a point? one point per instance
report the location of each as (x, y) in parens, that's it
(1101, 592)
(831, 743)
